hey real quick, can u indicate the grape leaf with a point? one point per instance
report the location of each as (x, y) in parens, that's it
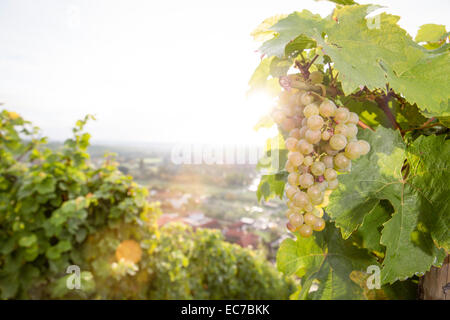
(378, 176)
(260, 80)
(430, 33)
(372, 53)
(271, 186)
(327, 259)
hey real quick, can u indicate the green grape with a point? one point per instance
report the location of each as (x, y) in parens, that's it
(311, 110)
(338, 142)
(308, 161)
(289, 167)
(328, 161)
(353, 150)
(300, 199)
(352, 130)
(315, 122)
(341, 161)
(290, 191)
(295, 133)
(290, 227)
(302, 131)
(316, 77)
(318, 168)
(296, 158)
(319, 224)
(341, 115)
(309, 219)
(323, 185)
(314, 192)
(329, 150)
(330, 174)
(318, 212)
(332, 184)
(306, 99)
(293, 178)
(308, 207)
(313, 136)
(365, 147)
(296, 220)
(305, 231)
(304, 146)
(341, 129)
(306, 180)
(353, 118)
(326, 135)
(298, 110)
(327, 109)
(291, 143)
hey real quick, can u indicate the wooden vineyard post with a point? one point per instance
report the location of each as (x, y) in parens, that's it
(435, 284)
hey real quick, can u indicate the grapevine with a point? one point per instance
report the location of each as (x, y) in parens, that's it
(321, 142)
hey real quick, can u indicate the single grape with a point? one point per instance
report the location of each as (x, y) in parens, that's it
(306, 180)
(352, 130)
(308, 207)
(288, 124)
(319, 224)
(305, 231)
(313, 136)
(290, 227)
(365, 147)
(341, 115)
(295, 133)
(303, 131)
(290, 191)
(353, 118)
(318, 168)
(316, 77)
(332, 184)
(304, 146)
(293, 178)
(288, 110)
(314, 192)
(338, 142)
(341, 129)
(327, 109)
(353, 150)
(329, 150)
(289, 167)
(315, 122)
(291, 143)
(341, 161)
(296, 158)
(330, 174)
(308, 161)
(309, 218)
(300, 199)
(311, 110)
(326, 135)
(328, 161)
(318, 212)
(296, 220)
(307, 99)
(323, 185)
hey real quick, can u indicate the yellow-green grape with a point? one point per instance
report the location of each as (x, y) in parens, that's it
(341, 161)
(341, 115)
(304, 146)
(314, 192)
(353, 150)
(318, 212)
(352, 130)
(302, 131)
(316, 77)
(333, 184)
(311, 110)
(306, 180)
(319, 224)
(308, 161)
(277, 116)
(291, 144)
(296, 220)
(296, 158)
(330, 174)
(293, 178)
(318, 168)
(326, 135)
(365, 147)
(305, 231)
(308, 207)
(327, 109)
(315, 122)
(300, 199)
(328, 161)
(295, 133)
(323, 185)
(318, 201)
(289, 167)
(340, 129)
(353, 118)
(304, 122)
(303, 169)
(313, 136)
(290, 191)
(306, 99)
(347, 168)
(309, 219)
(329, 150)
(290, 227)
(338, 142)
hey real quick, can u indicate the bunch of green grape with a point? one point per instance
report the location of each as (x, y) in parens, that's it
(322, 143)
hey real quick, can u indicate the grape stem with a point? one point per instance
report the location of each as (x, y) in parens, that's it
(383, 103)
(364, 126)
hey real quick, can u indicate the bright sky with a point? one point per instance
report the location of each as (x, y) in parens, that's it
(151, 71)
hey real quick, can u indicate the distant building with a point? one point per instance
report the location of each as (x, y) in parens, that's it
(242, 238)
(199, 220)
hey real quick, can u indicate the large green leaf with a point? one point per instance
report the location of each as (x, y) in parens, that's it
(372, 53)
(378, 176)
(430, 33)
(326, 260)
